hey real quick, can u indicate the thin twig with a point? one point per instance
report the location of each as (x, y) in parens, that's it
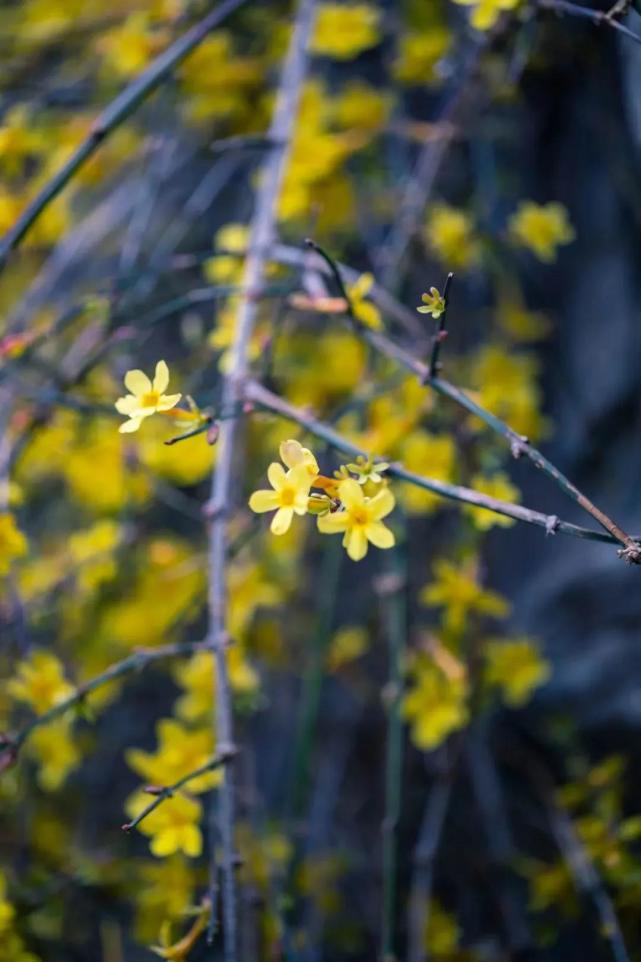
(439, 337)
(11, 744)
(221, 758)
(113, 116)
(599, 17)
(392, 588)
(261, 235)
(266, 399)
(519, 445)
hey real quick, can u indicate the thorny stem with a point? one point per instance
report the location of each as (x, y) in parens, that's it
(392, 590)
(10, 745)
(266, 399)
(261, 235)
(221, 758)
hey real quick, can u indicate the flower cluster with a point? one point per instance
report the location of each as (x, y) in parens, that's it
(347, 505)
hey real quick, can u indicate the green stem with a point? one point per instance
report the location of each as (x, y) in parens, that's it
(395, 615)
(313, 680)
(112, 117)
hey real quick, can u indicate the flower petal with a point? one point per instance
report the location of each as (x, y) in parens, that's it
(137, 382)
(282, 520)
(276, 475)
(351, 493)
(127, 405)
(161, 377)
(168, 401)
(356, 543)
(291, 453)
(333, 523)
(130, 426)
(262, 501)
(379, 535)
(381, 504)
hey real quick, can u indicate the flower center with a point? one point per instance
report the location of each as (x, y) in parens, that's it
(287, 497)
(360, 517)
(150, 399)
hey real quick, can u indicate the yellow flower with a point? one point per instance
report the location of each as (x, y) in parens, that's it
(419, 54)
(541, 228)
(343, 31)
(436, 703)
(40, 682)
(360, 519)
(433, 303)
(507, 387)
(360, 107)
(173, 826)
(196, 678)
(497, 486)
(13, 543)
(487, 12)
(456, 589)
(346, 646)
(56, 753)
(431, 454)
(520, 323)
(180, 751)
(516, 667)
(366, 312)
(145, 398)
(293, 454)
(449, 232)
(227, 268)
(289, 497)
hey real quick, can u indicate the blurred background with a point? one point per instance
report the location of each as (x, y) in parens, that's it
(438, 743)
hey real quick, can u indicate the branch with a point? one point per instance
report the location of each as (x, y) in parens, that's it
(599, 17)
(261, 396)
(519, 445)
(10, 745)
(261, 236)
(221, 758)
(112, 117)
(441, 333)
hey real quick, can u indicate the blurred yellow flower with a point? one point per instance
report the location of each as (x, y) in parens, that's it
(40, 682)
(145, 398)
(430, 454)
(456, 589)
(365, 311)
(54, 750)
(227, 267)
(347, 645)
(541, 228)
(13, 543)
(485, 13)
(450, 234)
(180, 751)
(436, 702)
(419, 54)
(507, 386)
(344, 30)
(173, 826)
(360, 519)
(289, 495)
(196, 678)
(515, 667)
(496, 486)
